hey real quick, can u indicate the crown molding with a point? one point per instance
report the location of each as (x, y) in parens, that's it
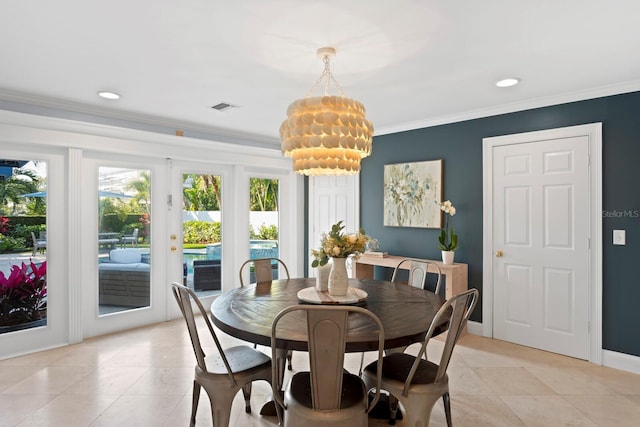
(168, 125)
(564, 98)
(165, 125)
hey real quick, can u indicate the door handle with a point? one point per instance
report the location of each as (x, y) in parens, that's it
(498, 254)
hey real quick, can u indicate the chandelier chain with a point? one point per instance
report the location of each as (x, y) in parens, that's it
(328, 76)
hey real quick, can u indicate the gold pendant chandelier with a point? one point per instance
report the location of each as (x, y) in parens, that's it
(326, 135)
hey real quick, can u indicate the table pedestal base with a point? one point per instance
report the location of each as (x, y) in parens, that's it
(269, 408)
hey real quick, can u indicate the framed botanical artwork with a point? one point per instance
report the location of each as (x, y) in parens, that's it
(412, 192)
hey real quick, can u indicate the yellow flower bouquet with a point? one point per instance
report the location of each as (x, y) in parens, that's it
(337, 244)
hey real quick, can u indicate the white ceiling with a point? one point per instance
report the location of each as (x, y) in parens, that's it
(412, 63)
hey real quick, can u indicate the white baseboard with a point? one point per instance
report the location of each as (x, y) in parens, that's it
(625, 362)
(474, 328)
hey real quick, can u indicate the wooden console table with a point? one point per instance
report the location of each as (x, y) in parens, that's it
(456, 274)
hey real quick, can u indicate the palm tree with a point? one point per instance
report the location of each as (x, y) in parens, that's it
(204, 193)
(142, 186)
(264, 194)
(20, 182)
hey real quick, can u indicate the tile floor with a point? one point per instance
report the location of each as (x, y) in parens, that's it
(143, 377)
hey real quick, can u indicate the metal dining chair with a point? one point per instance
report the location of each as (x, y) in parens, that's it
(223, 373)
(418, 270)
(263, 270)
(416, 382)
(325, 395)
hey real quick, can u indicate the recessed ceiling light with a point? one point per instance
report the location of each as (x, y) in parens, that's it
(108, 95)
(511, 81)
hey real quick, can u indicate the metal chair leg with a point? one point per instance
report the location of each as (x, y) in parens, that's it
(446, 399)
(393, 409)
(246, 391)
(194, 402)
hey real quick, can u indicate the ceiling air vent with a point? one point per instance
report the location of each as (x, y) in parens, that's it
(223, 106)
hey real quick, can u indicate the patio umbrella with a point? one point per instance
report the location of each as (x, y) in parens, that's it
(101, 193)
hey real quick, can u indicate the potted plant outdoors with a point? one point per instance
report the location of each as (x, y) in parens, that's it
(448, 239)
(338, 246)
(23, 302)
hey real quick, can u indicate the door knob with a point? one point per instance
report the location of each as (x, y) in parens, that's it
(498, 254)
(173, 237)
(173, 249)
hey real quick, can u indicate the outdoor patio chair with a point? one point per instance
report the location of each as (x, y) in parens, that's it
(130, 238)
(39, 244)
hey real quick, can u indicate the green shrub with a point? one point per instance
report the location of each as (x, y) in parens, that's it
(115, 222)
(23, 232)
(201, 232)
(128, 228)
(10, 244)
(27, 220)
(265, 232)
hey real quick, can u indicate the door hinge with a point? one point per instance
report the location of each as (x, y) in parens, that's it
(169, 200)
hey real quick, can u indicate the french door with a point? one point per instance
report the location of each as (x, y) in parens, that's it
(123, 243)
(214, 225)
(33, 186)
(114, 216)
(201, 222)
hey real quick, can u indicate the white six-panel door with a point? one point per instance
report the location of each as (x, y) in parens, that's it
(541, 240)
(331, 199)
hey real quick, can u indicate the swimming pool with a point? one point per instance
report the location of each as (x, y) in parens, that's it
(190, 255)
(257, 249)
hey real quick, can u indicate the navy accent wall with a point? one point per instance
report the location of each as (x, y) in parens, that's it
(460, 147)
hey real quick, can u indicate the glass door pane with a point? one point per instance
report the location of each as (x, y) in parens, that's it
(201, 226)
(23, 244)
(264, 221)
(124, 239)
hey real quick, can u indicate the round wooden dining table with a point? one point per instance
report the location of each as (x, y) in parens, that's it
(405, 312)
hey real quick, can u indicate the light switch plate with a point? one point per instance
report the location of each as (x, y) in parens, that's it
(619, 237)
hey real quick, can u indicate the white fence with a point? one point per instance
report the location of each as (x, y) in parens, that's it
(256, 219)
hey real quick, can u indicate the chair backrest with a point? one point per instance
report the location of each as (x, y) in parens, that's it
(183, 296)
(33, 237)
(263, 269)
(327, 328)
(418, 270)
(135, 233)
(457, 310)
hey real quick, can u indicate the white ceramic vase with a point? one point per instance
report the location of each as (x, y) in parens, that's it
(322, 277)
(447, 257)
(338, 278)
